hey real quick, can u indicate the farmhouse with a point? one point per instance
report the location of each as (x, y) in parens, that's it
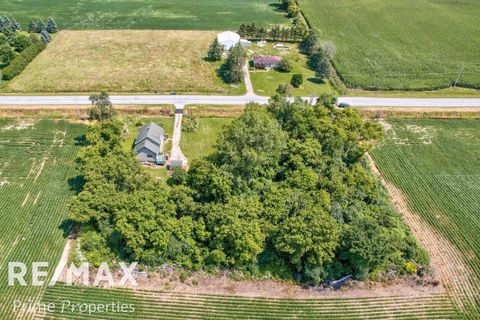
(266, 62)
(149, 144)
(228, 39)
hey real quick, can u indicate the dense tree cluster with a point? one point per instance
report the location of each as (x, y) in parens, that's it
(285, 65)
(102, 109)
(294, 33)
(18, 47)
(290, 7)
(320, 54)
(287, 193)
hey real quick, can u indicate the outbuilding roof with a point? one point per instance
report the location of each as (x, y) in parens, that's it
(266, 59)
(228, 36)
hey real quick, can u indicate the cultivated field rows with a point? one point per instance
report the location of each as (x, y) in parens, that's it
(442, 203)
(37, 161)
(165, 305)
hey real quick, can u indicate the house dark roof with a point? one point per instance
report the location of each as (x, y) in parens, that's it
(147, 143)
(266, 59)
(149, 136)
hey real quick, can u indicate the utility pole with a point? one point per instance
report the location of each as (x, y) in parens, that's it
(78, 107)
(459, 75)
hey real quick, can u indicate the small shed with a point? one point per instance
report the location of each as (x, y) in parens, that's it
(266, 62)
(148, 146)
(228, 39)
(245, 43)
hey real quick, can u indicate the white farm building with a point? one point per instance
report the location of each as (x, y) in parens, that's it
(228, 39)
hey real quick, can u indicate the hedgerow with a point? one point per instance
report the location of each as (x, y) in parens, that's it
(20, 62)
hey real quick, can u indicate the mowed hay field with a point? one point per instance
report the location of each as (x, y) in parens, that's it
(124, 61)
(434, 165)
(147, 14)
(401, 44)
(37, 171)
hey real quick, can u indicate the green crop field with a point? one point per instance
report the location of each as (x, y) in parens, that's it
(36, 168)
(392, 44)
(147, 14)
(435, 164)
(164, 305)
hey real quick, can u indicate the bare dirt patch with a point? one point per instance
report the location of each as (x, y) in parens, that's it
(21, 125)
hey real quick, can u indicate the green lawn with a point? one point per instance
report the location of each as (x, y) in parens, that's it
(147, 14)
(266, 82)
(392, 44)
(37, 167)
(201, 143)
(436, 165)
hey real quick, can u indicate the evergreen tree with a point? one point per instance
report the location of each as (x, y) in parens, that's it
(52, 26)
(32, 27)
(242, 31)
(320, 64)
(310, 43)
(16, 26)
(40, 26)
(45, 36)
(215, 51)
(297, 80)
(232, 68)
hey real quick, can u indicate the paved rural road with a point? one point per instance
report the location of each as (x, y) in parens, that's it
(235, 100)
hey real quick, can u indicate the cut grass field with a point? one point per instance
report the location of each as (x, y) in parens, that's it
(201, 143)
(391, 44)
(37, 163)
(435, 165)
(265, 83)
(124, 61)
(147, 14)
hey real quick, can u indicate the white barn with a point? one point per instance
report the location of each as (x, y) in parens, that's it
(228, 39)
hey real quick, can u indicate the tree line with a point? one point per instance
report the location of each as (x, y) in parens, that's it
(19, 47)
(294, 33)
(286, 194)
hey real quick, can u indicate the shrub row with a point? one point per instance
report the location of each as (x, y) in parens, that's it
(22, 60)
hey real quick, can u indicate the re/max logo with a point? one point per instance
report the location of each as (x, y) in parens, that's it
(17, 272)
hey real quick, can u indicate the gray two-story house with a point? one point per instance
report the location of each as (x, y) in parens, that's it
(149, 144)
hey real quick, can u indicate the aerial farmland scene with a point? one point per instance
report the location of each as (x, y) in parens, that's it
(256, 159)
